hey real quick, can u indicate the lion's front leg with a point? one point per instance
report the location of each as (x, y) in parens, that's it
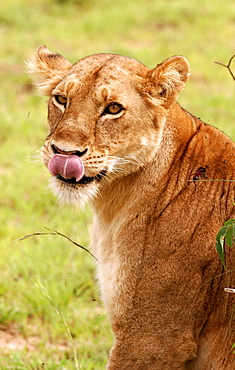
(151, 329)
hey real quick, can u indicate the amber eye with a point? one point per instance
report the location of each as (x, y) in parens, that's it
(60, 100)
(113, 108)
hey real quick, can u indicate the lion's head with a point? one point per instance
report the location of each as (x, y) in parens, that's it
(106, 116)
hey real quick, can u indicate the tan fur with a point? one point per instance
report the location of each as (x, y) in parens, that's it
(154, 222)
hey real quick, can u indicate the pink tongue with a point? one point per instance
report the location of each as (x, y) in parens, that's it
(68, 166)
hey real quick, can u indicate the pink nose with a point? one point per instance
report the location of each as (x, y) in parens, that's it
(67, 166)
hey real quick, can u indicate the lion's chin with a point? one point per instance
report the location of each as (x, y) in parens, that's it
(72, 194)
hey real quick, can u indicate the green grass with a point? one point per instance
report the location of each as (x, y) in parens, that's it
(146, 30)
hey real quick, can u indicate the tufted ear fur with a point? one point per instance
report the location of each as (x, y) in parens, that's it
(48, 69)
(168, 79)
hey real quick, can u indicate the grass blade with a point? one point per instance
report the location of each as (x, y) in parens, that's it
(46, 294)
(55, 232)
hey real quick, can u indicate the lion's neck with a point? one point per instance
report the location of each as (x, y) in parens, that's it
(177, 118)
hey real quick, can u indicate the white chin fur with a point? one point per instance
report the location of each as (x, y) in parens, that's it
(76, 196)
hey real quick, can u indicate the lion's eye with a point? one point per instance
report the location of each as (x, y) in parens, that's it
(113, 108)
(60, 100)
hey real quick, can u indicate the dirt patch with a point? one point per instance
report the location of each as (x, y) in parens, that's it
(12, 340)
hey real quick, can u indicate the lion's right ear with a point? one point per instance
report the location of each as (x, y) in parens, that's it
(48, 69)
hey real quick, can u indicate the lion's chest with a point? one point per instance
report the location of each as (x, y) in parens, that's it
(118, 246)
(111, 270)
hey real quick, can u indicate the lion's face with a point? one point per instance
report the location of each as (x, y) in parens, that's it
(106, 117)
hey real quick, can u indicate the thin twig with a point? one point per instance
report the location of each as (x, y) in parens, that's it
(206, 282)
(228, 66)
(55, 232)
(206, 180)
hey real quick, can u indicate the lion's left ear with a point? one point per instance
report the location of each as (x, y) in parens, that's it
(169, 78)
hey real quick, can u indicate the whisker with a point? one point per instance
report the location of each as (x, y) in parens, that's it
(135, 161)
(119, 160)
(117, 171)
(120, 170)
(35, 157)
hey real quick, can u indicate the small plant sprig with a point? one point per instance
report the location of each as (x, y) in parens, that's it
(226, 235)
(55, 232)
(228, 66)
(46, 294)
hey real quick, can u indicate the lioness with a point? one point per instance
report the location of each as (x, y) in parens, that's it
(155, 176)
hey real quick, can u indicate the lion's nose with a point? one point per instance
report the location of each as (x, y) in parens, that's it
(58, 150)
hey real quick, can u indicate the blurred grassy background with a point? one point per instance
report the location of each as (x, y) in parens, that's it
(32, 333)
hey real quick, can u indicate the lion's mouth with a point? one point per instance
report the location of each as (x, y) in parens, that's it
(84, 180)
(69, 168)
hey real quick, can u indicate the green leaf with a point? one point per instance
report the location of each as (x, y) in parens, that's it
(230, 222)
(234, 232)
(225, 234)
(222, 233)
(220, 251)
(229, 236)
